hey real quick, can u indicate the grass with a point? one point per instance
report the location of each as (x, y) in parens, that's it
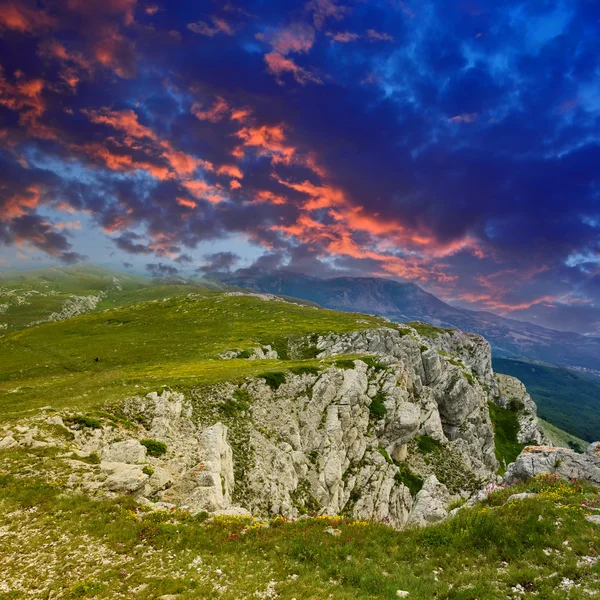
(412, 481)
(506, 428)
(174, 341)
(561, 438)
(566, 399)
(113, 549)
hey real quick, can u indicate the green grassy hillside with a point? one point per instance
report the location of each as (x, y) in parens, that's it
(61, 545)
(566, 399)
(140, 347)
(561, 438)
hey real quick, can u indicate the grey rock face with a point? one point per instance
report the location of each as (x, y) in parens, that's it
(512, 391)
(430, 503)
(566, 463)
(127, 451)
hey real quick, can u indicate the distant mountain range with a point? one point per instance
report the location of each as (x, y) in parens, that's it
(400, 301)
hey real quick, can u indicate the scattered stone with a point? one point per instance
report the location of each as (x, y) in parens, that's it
(521, 496)
(334, 532)
(8, 442)
(402, 594)
(593, 519)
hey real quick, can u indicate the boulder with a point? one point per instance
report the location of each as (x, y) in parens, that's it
(565, 463)
(127, 451)
(123, 478)
(430, 503)
(8, 442)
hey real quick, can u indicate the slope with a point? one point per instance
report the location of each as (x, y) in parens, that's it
(567, 399)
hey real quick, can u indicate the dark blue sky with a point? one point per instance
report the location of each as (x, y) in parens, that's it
(455, 144)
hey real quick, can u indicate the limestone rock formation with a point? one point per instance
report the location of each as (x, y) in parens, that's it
(513, 394)
(566, 463)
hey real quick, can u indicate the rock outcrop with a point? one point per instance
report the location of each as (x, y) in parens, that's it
(393, 436)
(565, 463)
(514, 395)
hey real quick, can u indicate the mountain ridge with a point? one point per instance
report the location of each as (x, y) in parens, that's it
(406, 301)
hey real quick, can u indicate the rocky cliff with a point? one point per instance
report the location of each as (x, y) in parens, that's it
(386, 424)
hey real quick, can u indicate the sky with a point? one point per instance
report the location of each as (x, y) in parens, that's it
(453, 144)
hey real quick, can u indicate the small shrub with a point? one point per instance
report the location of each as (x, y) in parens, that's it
(457, 503)
(240, 402)
(372, 362)
(244, 354)
(424, 348)
(515, 405)
(385, 454)
(469, 378)
(85, 422)
(273, 379)
(305, 370)
(406, 477)
(377, 407)
(154, 447)
(91, 459)
(426, 444)
(148, 470)
(345, 363)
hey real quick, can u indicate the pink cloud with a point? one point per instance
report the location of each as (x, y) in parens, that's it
(343, 37)
(218, 26)
(298, 37)
(377, 36)
(278, 65)
(464, 118)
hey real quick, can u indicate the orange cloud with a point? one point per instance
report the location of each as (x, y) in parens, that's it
(123, 120)
(218, 110)
(231, 171)
(264, 196)
(187, 203)
(68, 225)
(202, 190)
(115, 52)
(268, 141)
(18, 17)
(234, 184)
(277, 65)
(21, 203)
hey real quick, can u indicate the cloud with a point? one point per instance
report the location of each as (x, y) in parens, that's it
(297, 38)
(218, 262)
(218, 26)
(161, 270)
(377, 36)
(277, 64)
(25, 17)
(343, 37)
(326, 9)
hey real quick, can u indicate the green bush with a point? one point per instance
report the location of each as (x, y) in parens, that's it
(372, 362)
(148, 470)
(85, 422)
(244, 354)
(305, 370)
(377, 407)
(427, 444)
(240, 402)
(273, 379)
(406, 477)
(345, 363)
(154, 447)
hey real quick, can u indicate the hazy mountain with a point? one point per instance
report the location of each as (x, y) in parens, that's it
(407, 301)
